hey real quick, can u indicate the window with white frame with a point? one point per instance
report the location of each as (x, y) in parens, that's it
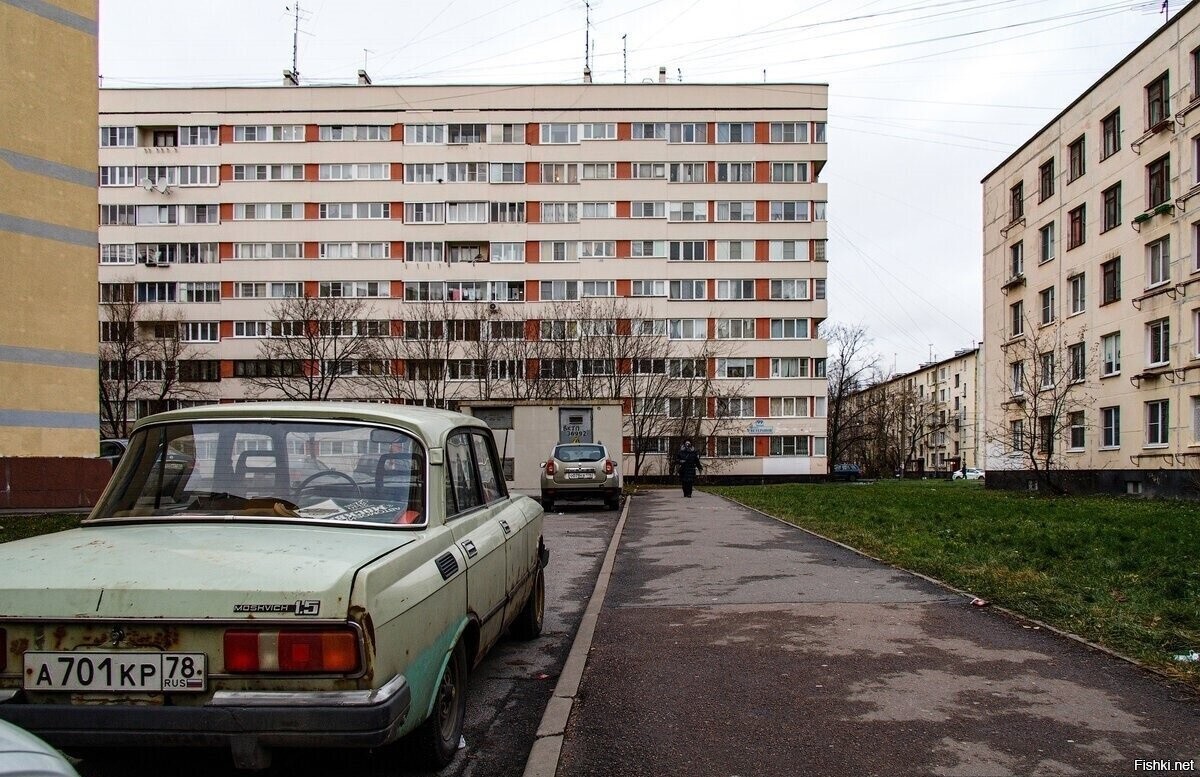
(648, 131)
(354, 210)
(648, 367)
(506, 133)
(1158, 262)
(117, 175)
(789, 367)
(598, 171)
(735, 132)
(467, 172)
(267, 211)
(286, 133)
(789, 288)
(339, 132)
(465, 291)
(600, 131)
(1047, 306)
(687, 132)
(789, 132)
(1110, 354)
(735, 172)
(789, 445)
(558, 329)
(200, 291)
(424, 134)
(648, 248)
(424, 291)
(559, 251)
(466, 212)
(1046, 370)
(424, 172)
(789, 407)
(353, 288)
(1158, 422)
(1016, 378)
(198, 136)
(378, 171)
(788, 251)
(1078, 293)
(354, 250)
(819, 210)
(647, 210)
(687, 290)
(735, 250)
(648, 170)
(687, 368)
(507, 212)
(506, 291)
(597, 210)
(200, 331)
(687, 328)
(424, 251)
(118, 253)
(687, 172)
(598, 289)
(1196, 334)
(735, 407)
(424, 212)
(559, 132)
(735, 288)
(1110, 427)
(560, 212)
(118, 137)
(789, 211)
(648, 288)
(597, 249)
(507, 172)
(1045, 244)
(734, 447)
(735, 329)
(268, 172)
(1158, 342)
(507, 252)
(789, 329)
(550, 291)
(1077, 354)
(735, 368)
(735, 211)
(789, 172)
(648, 327)
(687, 211)
(686, 250)
(819, 288)
(267, 250)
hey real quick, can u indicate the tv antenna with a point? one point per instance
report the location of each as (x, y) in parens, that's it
(624, 61)
(587, 35)
(296, 13)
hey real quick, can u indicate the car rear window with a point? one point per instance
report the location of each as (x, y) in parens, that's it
(579, 453)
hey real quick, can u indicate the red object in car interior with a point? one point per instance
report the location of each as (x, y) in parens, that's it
(291, 651)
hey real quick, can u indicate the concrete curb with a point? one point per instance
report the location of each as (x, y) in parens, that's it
(547, 746)
(1012, 614)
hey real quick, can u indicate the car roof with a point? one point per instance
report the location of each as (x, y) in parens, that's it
(431, 424)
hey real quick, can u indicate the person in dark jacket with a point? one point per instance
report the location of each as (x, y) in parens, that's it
(687, 461)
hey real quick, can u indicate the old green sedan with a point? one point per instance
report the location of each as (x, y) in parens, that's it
(272, 575)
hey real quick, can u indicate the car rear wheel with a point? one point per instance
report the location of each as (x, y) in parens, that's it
(436, 741)
(528, 624)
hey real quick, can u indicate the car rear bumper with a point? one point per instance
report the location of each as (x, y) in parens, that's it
(240, 719)
(570, 493)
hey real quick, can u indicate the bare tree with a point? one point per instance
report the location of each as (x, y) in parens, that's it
(315, 348)
(851, 367)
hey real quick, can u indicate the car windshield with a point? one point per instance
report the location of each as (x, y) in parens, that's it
(579, 453)
(286, 470)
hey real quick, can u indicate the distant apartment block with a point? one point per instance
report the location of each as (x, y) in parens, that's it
(661, 244)
(1092, 280)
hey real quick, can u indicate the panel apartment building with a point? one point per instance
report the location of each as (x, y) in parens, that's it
(663, 244)
(1092, 279)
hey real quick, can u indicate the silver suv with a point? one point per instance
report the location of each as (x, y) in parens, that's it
(577, 471)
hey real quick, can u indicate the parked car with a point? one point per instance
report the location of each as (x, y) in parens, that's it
(112, 450)
(579, 471)
(24, 755)
(845, 472)
(968, 473)
(213, 598)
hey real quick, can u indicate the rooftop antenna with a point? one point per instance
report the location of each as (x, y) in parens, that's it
(679, 70)
(295, 9)
(764, 75)
(587, 35)
(624, 61)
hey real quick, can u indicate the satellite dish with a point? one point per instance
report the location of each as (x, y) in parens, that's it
(162, 186)
(146, 184)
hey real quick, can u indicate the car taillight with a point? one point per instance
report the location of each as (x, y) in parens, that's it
(550, 467)
(333, 650)
(608, 467)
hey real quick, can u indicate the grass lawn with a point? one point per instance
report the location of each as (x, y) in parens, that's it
(15, 527)
(1121, 572)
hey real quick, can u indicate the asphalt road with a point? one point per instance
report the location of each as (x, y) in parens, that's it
(508, 691)
(732, 645)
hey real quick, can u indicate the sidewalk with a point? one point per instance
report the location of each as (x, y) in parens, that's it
(733, 644)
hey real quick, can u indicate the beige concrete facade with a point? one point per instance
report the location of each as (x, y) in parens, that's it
(783, 148)
(1092, 228)
(48, 104)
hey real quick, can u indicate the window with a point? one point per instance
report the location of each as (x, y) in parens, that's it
(1016, 259)
(466, 133)
(735, 211)
(1046, 303)
(1157, 422)
(466, 212)
(354, 250)
(687, 132)
(740, 132)
(648, 248)
(1076, 155)
(790, 445)
(1110, 353)
(118, 137)
(378, 171)
(204, 291)
(1078, 293)
(199, 331)
(1195, 419)
(598, 289)
(1046, 180)
(648, 170)
(121, 175)
(735, 368)
(1110, 129)
(291, 133)
(790, 288)
(353, 288)
(1078, 359)
(1016, 319)
(1016, 378)
(645, 288)
(155, 292)
(1158, 109)
(687, 328)
(1016, 433)
(1112, 207)
(687, 211)
(597, 249)
(687, 290)
(686, 172)
(1077, 223)
(648, 327)
(560, 212)
(1046, 244)
(599, 131)
(117, 253)
(789, 367)
(735, 172)
(1045, 436)
(275, 211)
(789, 211)
(118, 215)
(424, 212)
(1046, 370)
(598, 171)
(560, 133)
(507, 212)
(1110, 281)
(1158, 181)
(337, 132)
(686, 250)
(506, 133)
(735, 250)
(734, 447)
(350, 210)
(1158, 262)
(789, 172)
(1016, 202)
(1158, 342)
(648, 210)
(423, 252)
(559, 251)
(507, 172)
(1110, 427)
(648, 131)
(424, 134)
(789, 132)
(270, 172)
(598, 210)
(735, 329)
(789, 329)
(735, 289)
(558, 290)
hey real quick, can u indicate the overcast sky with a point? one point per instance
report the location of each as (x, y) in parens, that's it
(926, 98)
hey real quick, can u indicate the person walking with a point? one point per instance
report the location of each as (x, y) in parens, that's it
(687, 461)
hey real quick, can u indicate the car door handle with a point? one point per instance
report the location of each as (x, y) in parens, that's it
(469, 548)
(504, 525)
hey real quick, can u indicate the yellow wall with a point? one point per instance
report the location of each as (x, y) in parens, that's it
(48, 152)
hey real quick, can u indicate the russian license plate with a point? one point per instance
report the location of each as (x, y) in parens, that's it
(579, 476)
(115, 671)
